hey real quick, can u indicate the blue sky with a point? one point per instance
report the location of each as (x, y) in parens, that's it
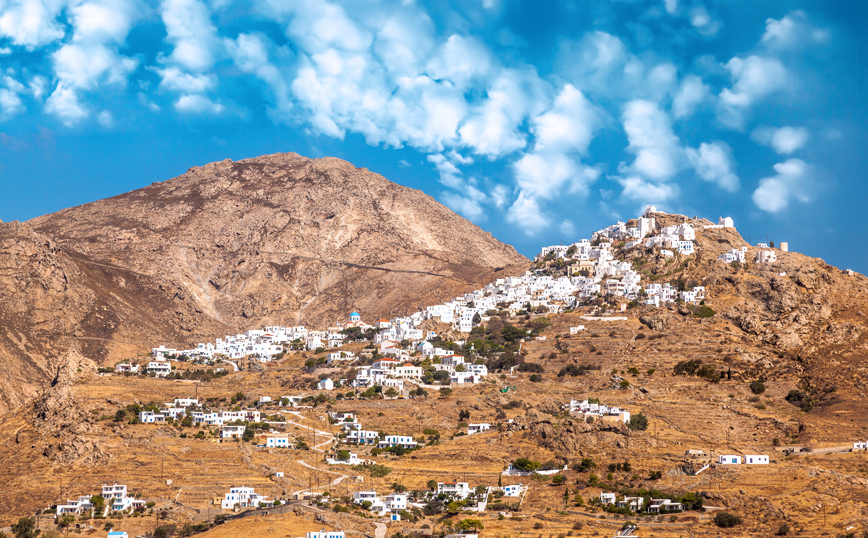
(539, 121)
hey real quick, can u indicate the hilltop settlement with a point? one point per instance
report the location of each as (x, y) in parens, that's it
(600, 393)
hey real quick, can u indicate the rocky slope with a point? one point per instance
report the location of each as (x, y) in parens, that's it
(279, 239)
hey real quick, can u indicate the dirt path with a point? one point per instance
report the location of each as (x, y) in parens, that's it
(381, 530)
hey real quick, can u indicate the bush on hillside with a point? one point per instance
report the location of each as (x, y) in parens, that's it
(726, 520)
(757, 387)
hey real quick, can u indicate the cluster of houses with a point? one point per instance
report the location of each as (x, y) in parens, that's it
(355, 435)
(601, 274)
(636, 504)
(585, 408)
(764, 255)
(457, 491)
(116, 500)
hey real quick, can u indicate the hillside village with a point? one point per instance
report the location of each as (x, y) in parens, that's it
(333, 417)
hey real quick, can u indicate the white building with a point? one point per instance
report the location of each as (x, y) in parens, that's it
(325, 534)
(459, 490)
(326, 384)
(607, 498)
(766, 256)
(729, 459)
(390, 441)
(159, 368)
(276, 442)
(756, 460)
(232, 431)
(127, 368)
(241, 497)
(478, 428)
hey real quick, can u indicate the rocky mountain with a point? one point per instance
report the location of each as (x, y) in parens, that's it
(278, 239)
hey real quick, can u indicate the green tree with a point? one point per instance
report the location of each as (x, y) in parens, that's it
(391, 392)
(121, 415)
(249, 433)
(432, 485)
(98, 502)
(343, 455)
(471, 525)
(638, 422)
(558, 479)
(25, 528)
(445, 392)
(526, 465)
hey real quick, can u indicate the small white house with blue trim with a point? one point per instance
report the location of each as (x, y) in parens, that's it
(729, 459)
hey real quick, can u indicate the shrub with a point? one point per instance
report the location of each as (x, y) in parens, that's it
(703, 311)
(538, 525)
(526, 465)
(633, 370)
(638, 422)
(585, 465)
(536, 378)
(783, 530)
(558, 479)
(757, 387)
(726, 520)
(531, 367)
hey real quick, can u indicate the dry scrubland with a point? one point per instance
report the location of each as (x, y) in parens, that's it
(813, 492)
(803, 330)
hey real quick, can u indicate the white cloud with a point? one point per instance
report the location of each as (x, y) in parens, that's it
(464, 206)
(103, 20)
(793, 182)
(31, 23)
(793, 31)
(657, 149)
(460, 60)
(526, 213)
(64, 104)
(567, 228)
(178, 80)
(105, 119)
(190, 31)
(713, 163)
(756, 77)
(569, 124)
(91, 57)
(10, 104)
(703, 21)
(450, 175)
(250, 52)
(542, 174)
(197, 104)
(5, 51)
(690, 95)
(83, 65)
(493, 128)
(784, 141)
(638, 189)
(671, 6)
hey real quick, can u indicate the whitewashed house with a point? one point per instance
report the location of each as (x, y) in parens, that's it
(607, 498)
(458, 490)
(232, 431)
(390, 441)
(729, 459)
(127, 368)
(159, 368)
(750, 459)
(326, 384)
(241, 497)
(478, 428)
(276, 442)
